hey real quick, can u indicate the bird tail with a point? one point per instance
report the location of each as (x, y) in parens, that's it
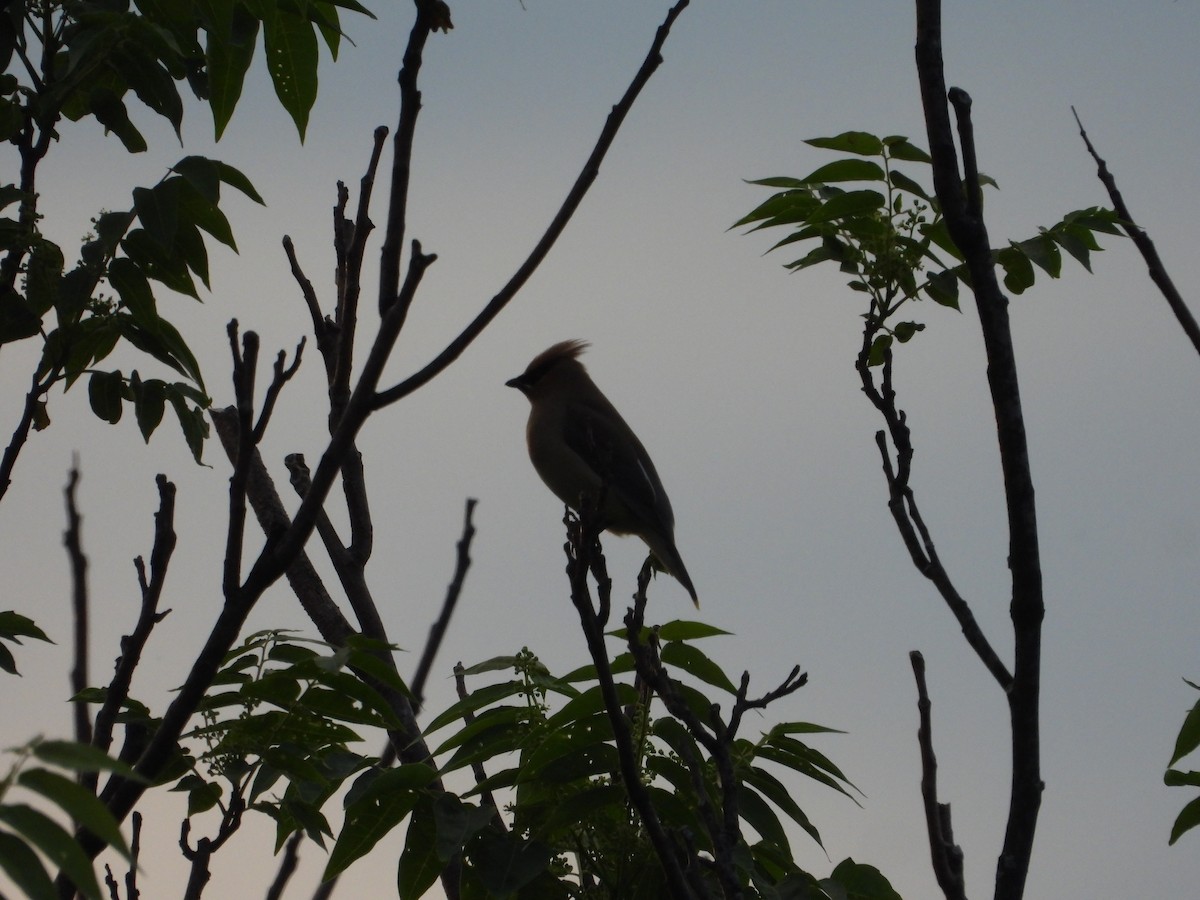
(671, 562)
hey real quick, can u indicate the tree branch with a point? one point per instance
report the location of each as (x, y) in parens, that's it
(947, 856)
(967, 229)
(438, 631)
(79, 607)
(1141, 240)
(134, 643)
(582, 544)
(590, 170)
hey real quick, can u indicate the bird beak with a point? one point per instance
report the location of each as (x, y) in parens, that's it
(514, 383)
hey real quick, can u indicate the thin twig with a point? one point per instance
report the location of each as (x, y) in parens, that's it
(438, 631)
(1141, 240)
(73, 540)
(477, 769)
(134, 643)
(287, 866)
(574, 197)
(947, 856)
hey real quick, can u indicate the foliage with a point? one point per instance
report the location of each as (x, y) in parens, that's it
(567, 828)
(13, 627)
(885, 232)
(27, 831)
(71, 60)
(284, 711)
(1185, 744)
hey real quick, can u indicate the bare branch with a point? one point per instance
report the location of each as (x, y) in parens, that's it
(1141, 240)
(582, 544)
(283, 374)
(591, 169)
(287, 866)
(323, 329)
(79, 608)
(477, 770)
(349, 278)
(133, 644)
(967, 229)
(947, 856)
(33, 416)
(438, 631)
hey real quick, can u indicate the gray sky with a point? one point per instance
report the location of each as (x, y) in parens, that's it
(738, 377)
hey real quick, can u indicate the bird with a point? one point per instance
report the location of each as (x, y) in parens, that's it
(581, 447)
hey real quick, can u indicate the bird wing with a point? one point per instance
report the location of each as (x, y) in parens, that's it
(593, 432)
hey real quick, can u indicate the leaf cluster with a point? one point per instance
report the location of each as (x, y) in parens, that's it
(1186, 743)
(566, 829)
(44, 770)
(79, 59)
(13, 627)
(884, 230)
(278, 728)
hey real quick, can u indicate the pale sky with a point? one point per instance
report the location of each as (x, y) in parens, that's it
(738, 377)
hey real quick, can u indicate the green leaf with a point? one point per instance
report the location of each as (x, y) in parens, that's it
(149, 404)
(775, 791)
(151, 82)
(58, 845)
(229, 51)
(43, 277)
(942, 287)
(863, 882)
(191, 420)
(1044, 253)
(879, 349)
(131, 284)
(18, 318)
(105, 392)
(495, 664)
(110, 112)
(589, 704)
(899, 147)
(79, 803)
(683, 630)
(1176, 778)
(22, 865)
(291, 48)
(1188, 818)
(1018, 270)
(419, 866)
(904, 331)
(694, 661)
(473, 702)
(457, 823)
(759, 815)
(586, 808)
(80, 758)
(849, 204)
(13, 626)
(845, 170)
(903, 182)
(803, 728)
(375, 811)
(505, 863)
(860, 143)
(1189, 735)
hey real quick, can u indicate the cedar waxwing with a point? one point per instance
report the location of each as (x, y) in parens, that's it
(579, 442)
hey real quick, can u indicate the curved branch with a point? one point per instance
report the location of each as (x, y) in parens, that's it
(591, 169)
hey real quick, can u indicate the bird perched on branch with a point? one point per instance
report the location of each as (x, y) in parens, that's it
(581, 447)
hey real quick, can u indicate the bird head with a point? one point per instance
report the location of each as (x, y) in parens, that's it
(548, 366)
